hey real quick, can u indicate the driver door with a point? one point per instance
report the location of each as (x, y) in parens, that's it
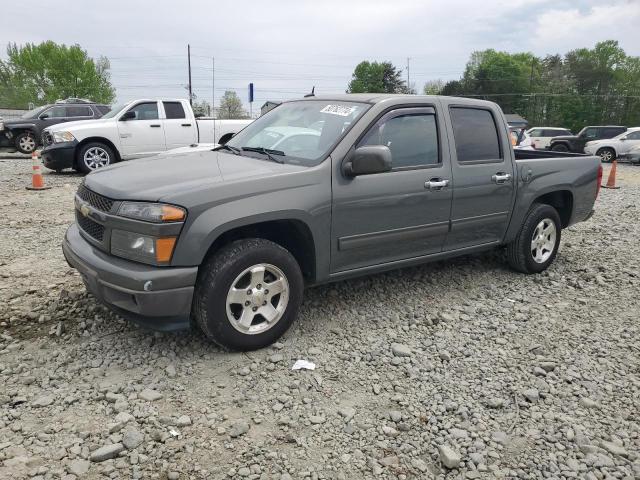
(142, 135)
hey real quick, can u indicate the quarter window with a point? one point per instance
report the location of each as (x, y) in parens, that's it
(145, 111)
(412, 139)
(173, 110)
(475, 134)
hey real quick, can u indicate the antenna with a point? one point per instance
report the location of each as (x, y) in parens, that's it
(312, 94)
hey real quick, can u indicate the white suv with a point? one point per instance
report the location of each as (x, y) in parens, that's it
(541, 136)
(611, 148)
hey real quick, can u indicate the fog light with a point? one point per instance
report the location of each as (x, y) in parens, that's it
(142, 248)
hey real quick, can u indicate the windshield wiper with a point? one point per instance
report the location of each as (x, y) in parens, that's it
(235, 150)
(268, 152)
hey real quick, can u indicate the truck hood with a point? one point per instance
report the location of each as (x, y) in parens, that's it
(80, 125)
(168, 177)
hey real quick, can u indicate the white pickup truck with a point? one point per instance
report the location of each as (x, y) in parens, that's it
(135, 129)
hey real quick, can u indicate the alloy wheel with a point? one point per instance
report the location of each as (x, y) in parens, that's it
(96, 157)
(543, 241)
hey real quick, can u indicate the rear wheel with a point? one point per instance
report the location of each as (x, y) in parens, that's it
(607, 155)
(93, 156)
(560, 147)
(536, 245)
(248, 294)
(26, 142)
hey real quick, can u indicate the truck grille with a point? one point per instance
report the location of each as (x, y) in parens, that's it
(47, 139)
(91, 228)
(97, 201)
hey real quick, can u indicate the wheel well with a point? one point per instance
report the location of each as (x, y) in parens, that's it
(293, 235)
(607, 148)
(562, 201)
(97, 140)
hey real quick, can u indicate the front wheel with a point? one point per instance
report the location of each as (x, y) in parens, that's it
(93, 156)
(536, 245)
(607, 155)
(248, 294)
(26, 142)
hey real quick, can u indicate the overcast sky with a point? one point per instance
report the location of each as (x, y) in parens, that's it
(286, 47)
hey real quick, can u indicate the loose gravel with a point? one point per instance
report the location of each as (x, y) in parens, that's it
(458, 369)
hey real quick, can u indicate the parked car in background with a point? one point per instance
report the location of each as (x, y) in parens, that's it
(541, 136)
(135, 129)
(390, 181)
(610, 149)
(25, 133)
(576, 143)
(632, 156)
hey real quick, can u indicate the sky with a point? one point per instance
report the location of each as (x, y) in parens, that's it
(285, 47)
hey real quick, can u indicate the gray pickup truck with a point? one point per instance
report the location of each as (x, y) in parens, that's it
(317, 190)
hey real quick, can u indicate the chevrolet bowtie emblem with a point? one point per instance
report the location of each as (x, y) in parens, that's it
(84, 210)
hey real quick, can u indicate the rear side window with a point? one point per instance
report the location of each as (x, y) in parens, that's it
(475, 134)
(173, 110)
(412, 139)
(612, 132)
(79, 111)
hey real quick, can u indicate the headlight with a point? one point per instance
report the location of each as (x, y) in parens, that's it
(152, 212)
(61, 137)
(142, 248)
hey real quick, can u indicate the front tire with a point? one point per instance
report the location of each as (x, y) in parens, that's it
(607, 155)
(560, 147)
(93, 156)
(248, 294)
(26, 142)
(536, 245)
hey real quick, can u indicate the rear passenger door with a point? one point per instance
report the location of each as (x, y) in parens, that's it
(483, 177)
(178, 130)
(402, 213)
(79, 112)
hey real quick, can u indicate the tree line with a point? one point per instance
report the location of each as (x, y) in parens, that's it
(582, 87)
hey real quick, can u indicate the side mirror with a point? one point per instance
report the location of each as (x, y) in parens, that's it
(44, 116)
(368, 160)
(130, 115)
(623, 138)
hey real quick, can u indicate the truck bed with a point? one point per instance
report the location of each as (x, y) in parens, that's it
(523, 154)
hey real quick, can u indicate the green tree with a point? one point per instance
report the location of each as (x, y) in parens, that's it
(48, 72)
(231, 106)
(433, 87)
(375, 77)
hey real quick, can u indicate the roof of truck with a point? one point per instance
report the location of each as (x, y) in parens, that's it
(379, 97)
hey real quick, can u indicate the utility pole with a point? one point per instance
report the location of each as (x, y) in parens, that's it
(189, 63)
(408, 76)
(213, 87)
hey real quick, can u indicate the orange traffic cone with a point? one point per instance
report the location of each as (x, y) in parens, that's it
(37, 181)
(611, 181)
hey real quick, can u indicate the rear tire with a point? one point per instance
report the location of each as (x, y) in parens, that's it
(607, 155)
(26, 142)
(560, 147)
(93, 156)
(536, 245)
(232, 294)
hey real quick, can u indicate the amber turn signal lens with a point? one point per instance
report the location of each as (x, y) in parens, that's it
(172, 214)
(164, 249)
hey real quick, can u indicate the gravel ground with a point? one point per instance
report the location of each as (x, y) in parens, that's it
(458, 369)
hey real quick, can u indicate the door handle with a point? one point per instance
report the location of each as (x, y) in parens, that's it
(436, 183)
(501, 177)
(154, 126)
(186, 124)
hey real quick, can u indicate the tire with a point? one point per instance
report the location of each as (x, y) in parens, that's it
(26, 142)
(560, 147)
(607, 155)
(93, 156)
(520, 252)
(234, 272)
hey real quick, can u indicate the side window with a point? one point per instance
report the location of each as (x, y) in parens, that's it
(145, 111)
(56, 112)
(475, 134)
(538, 133)
(412, 139)
(591, 133)
(79, 111)
(612, 132)
(634, 136)
(552, 133)
(173, 110)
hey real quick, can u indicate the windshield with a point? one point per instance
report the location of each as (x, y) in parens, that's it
(115, 110)
(303, 131)
(33, 113)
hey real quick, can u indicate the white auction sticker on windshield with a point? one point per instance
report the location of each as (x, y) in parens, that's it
(341, 110)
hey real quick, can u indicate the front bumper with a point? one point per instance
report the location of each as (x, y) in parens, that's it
(165, 304)
(59, 156)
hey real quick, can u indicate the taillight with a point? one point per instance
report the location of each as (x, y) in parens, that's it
(599, 180)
